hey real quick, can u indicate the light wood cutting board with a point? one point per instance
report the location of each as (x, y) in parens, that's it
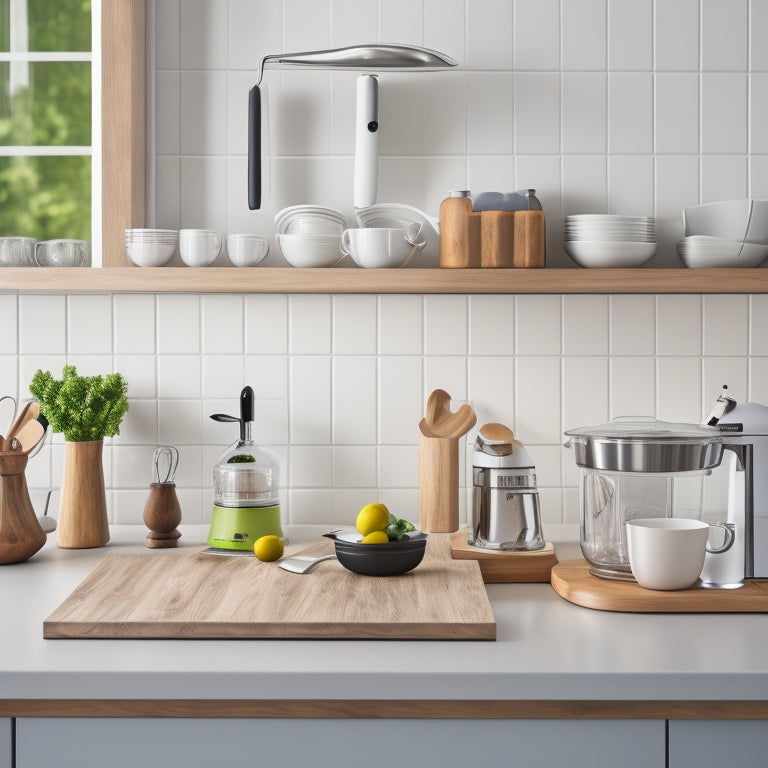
(211, 596)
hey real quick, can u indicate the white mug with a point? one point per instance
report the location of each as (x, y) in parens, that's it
(247, 250)
(382, 246)
(667, 553)
(199, 247)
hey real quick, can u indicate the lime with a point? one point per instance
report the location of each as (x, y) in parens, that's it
(375, 537)
(268, 548)
(372, 517)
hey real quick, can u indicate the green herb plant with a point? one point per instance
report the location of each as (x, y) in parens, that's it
(81, 407)
(397, 529)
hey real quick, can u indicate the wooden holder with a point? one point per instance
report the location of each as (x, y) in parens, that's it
(162, 513)
(83, 522)
(20, 533)
(438, 484)
(493, 239)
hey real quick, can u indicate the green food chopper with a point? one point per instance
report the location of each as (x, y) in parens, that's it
(246, 480)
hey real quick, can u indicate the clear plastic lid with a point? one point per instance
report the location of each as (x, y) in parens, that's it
(639, 428)
(246, 476)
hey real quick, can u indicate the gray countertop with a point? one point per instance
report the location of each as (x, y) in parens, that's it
(546, 649)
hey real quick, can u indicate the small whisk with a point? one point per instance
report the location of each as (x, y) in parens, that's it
(162, 512)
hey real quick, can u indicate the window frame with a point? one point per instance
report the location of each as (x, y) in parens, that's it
(123, 124)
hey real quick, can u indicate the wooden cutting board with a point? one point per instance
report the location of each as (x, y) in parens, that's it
(212, 596)
(572, 580)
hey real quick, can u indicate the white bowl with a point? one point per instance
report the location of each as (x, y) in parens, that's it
(382, 247)
(591, 253)
(700, 251)
(389, 215)
(247, 250)
(148, 254)
(311, 250)
(726, 219)
(310, 220)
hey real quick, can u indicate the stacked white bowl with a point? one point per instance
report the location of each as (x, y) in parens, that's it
(151, 247)
(728, 233)
(609, 240)
(310, 235)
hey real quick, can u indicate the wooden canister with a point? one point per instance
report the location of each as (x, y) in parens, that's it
(459, 232)
(529, 240)
(497, 238)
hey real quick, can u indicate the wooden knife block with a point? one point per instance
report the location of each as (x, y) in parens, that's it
(494, 239)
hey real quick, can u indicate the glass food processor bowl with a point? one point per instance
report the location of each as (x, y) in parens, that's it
(627, 470)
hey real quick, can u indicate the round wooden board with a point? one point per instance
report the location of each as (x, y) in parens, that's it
(572, 580)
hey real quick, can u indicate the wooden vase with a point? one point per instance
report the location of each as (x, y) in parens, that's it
(162, 513)
(20, 532)
(83, 520)
(438, 484)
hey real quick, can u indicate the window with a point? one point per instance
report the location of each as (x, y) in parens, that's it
(46, 134)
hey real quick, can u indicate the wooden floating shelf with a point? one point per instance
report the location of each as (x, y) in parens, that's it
(356, 280)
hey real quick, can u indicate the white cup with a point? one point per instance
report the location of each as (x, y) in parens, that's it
(382, 246)
(668, 553)
(199, 247)
(247, 250)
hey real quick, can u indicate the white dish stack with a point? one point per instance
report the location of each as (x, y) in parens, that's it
(310, 235)
(608, 240)
(151, 247)
(728, 233)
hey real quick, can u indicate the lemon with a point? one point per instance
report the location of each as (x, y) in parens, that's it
(268, 548)
(372, 517)
(375, 537)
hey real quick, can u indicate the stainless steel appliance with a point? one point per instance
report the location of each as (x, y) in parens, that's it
(505, 501)
(629, 468)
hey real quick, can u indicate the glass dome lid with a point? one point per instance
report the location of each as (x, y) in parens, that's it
(648, 429)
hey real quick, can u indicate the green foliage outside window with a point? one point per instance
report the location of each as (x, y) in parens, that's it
(46, 104)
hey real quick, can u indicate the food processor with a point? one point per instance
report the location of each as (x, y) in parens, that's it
(246, 482)
(629, 468)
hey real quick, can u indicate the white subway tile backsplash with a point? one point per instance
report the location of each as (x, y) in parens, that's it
(141, 427)
(585, 325)
(586, 395)
(314, 29)
(167, 34)
(266, 374)
(633, 386)
(179, 422)
(168, 110)
(726, 325)
(723, 177)
(490, 35)
(758, 104)
(633, 325)
(538, 400)
(254, 28)
(202, 102)
(630, 113)
(401, 400)
(583, 34)
(491, 325)
(677, 113)
(42, 324)
(630, 185)
(402, 20)
(678, 325)
(630, 34)
(444, 28)
(679, 389)
(9, 338)
(203, 200)
(489, 93)
(178, 324)
(445, 325)
(310, 399)
(221, 375)
(222, 324)
(354, 466)
(310, 324)
(203, 34)
(724, 35)
(492, 384)
(537, 34)
(134, 324)
(266, 324)
(758, 321)
(677, 35)
(584, 112)
(354, 325)
(399, 466)
(758, 380)
(758, 29)
(538, 325)
(140, 373)
(354, 400)
(723, 112)
(448, 373)
(537, 113)
(401, 323)
(89, 325)
(585, 184)
(311, 466)
(9, 380)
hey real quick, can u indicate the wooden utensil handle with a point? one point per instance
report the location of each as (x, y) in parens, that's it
(438, 484)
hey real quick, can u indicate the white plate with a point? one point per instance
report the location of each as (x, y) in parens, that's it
(700, 251)
(590, 253)
(310, 220)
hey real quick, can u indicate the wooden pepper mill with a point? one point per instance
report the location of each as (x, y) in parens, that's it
(439, 433)
(162, 512)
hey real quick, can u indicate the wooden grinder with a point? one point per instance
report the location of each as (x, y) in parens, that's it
(439, 433)
(162, 511)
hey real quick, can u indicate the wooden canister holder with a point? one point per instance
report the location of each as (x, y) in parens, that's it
(438, 484)
(20, 532)
(492, 239)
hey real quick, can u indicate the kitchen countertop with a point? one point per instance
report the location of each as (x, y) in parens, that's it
(550, 657)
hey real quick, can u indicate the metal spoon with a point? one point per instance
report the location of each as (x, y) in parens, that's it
(303, 564)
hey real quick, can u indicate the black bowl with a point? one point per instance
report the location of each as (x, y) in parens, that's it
(390, 559)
